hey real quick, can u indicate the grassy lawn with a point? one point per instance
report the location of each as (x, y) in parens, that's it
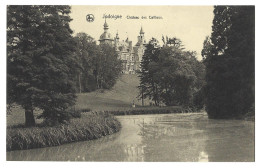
(117, 101)
(17, 116)
(120, 97)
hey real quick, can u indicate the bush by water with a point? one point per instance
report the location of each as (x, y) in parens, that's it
(90, 126)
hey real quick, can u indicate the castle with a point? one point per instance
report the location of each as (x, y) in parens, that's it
(130, 55)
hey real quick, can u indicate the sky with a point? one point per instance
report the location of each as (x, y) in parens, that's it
(191, 24)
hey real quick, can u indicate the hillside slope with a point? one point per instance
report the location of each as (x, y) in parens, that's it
(120, 96)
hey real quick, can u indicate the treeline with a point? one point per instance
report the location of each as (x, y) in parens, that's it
(172, 76)
(98, 65)
(229, 56)
(47, 66)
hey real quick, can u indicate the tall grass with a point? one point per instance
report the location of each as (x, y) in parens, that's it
(90, 126)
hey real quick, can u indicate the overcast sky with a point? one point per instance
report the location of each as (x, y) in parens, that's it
(189, 23)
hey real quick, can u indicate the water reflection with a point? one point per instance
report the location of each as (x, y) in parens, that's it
(174, 137)
(81, 151)
(233, 141)
(168, 139)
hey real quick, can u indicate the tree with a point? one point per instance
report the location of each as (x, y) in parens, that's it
(148, 86)
(98, 65)
(39, 61)
(169, 74)
(230, 62)
(182, 75)
(86, 51)
(108, 66)
(207, 48)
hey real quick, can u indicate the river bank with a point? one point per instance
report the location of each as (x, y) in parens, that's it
(182, 137)
(139, 110)
(90, 126)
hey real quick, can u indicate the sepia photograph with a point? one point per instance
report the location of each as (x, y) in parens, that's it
(130, 83)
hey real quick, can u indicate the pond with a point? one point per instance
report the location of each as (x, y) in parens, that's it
(164, 137)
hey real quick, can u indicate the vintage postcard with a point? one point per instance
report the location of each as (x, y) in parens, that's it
(130, 83)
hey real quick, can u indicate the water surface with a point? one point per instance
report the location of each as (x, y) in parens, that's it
(164, 137)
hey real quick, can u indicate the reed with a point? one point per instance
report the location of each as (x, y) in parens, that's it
(90, 126)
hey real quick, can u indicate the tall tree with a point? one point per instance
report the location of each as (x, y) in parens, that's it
(39, 60)
(207, 48)
(230, 62)
(107, 66)
(86, 51)
(182, 75)
(169, 74)
(98, 65)
(148, 86)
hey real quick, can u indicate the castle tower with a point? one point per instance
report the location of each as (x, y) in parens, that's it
(139, 49)
(142, 33)
(117, 37)
(106, 37)
(116, 42)
(140, 38)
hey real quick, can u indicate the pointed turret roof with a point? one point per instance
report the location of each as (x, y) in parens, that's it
(105, 24)
(141, 31)
(117, 37)
(106, 35)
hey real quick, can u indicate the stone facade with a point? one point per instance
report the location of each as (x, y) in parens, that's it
(130, 55)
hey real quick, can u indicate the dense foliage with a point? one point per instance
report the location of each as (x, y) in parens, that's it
(85, 52)
(46, 66)
(229, 56)
(171, 75)
(98, 65)
(39, 61)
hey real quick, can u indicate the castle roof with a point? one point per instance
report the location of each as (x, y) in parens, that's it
(106, 35)
(141, 31)
(105, 25)
(117, 37)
